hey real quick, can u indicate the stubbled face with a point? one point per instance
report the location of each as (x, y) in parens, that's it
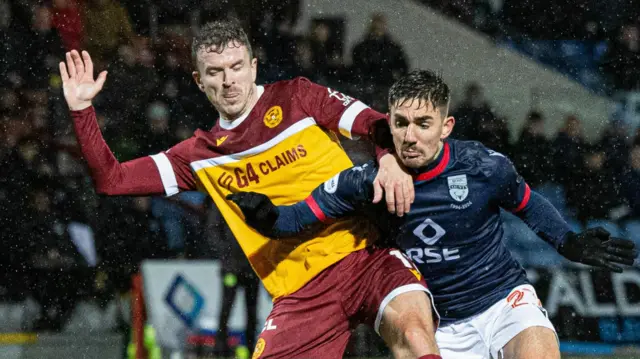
(418, 129)
(228, 78)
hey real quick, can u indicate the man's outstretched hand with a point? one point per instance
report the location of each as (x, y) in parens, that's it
(259, 212)
(597, 248)
(78, 84)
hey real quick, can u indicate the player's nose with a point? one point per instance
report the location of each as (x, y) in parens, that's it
(227, 79)
(410, 135)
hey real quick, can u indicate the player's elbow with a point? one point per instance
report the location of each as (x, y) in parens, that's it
(109, 189)
(106, 190)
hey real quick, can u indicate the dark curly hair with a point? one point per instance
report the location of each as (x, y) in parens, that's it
(421, 85)
(215, 35)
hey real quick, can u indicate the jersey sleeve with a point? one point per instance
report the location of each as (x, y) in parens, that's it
(336, 111)
(110, 177)
(339, 196)
(513, 193)
(174, 167)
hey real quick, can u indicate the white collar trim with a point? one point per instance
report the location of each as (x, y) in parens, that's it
(230, 125)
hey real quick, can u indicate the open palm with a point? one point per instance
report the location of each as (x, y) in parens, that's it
(78, 84)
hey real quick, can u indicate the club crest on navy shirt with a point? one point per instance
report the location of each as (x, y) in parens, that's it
(458, 188)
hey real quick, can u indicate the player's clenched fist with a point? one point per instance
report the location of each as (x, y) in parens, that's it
(78, 84)
(259, 212)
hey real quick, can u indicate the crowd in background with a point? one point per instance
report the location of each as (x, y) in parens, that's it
(49, 211)
(594, 42)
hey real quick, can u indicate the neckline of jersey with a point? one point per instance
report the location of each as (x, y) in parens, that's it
(438, 169)
(230, 125)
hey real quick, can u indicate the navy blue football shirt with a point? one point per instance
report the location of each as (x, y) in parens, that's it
(454, 232)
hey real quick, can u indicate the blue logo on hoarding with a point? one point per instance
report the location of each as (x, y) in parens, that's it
(185, 300)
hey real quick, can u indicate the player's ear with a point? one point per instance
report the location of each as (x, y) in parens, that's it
(198, 80)
(447, 126)
(254, 69)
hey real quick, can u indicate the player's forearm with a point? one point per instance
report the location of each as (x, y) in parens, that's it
(337, 197)
(293, 220)
(137, 177)
(543, 218)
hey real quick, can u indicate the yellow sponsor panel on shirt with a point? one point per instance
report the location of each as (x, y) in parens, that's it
(287, 172)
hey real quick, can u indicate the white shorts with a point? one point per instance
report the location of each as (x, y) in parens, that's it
(484, 335)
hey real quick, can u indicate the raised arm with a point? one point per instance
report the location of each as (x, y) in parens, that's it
(342, 194)
(158, 174)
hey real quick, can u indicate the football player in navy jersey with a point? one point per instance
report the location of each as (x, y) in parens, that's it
(453, 232)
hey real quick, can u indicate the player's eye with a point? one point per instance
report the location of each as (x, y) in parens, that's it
(424, 125)
(213, 72)
(237, 67)
(401, 124)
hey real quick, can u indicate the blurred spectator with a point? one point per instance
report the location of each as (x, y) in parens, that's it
(5, 14)
(141, 15)
(377, 58)
(597, 182)
(303, 60)
(9, 102)
(157, 136)
(279, 42)
(181, 218)
(172, 12)
(107, 26)
(9, 43)
(472, 113)
(631, 181)
(568, 148)
(614, 140)
(67, 19)
(127, 234)
(622, 60)
(131, 83)
(532, 153)
(235, 272)
(44, 50)
(326, 56)
(494, 133)
(547, 19)
(55, 264)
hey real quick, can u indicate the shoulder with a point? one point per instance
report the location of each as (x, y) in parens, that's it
(292, 84)
(191, 147)
(480, 157)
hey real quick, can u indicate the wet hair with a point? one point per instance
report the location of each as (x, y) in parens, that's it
(421, 85)
(216, 35)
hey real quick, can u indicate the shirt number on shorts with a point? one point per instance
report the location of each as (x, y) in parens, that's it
(516, 297)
